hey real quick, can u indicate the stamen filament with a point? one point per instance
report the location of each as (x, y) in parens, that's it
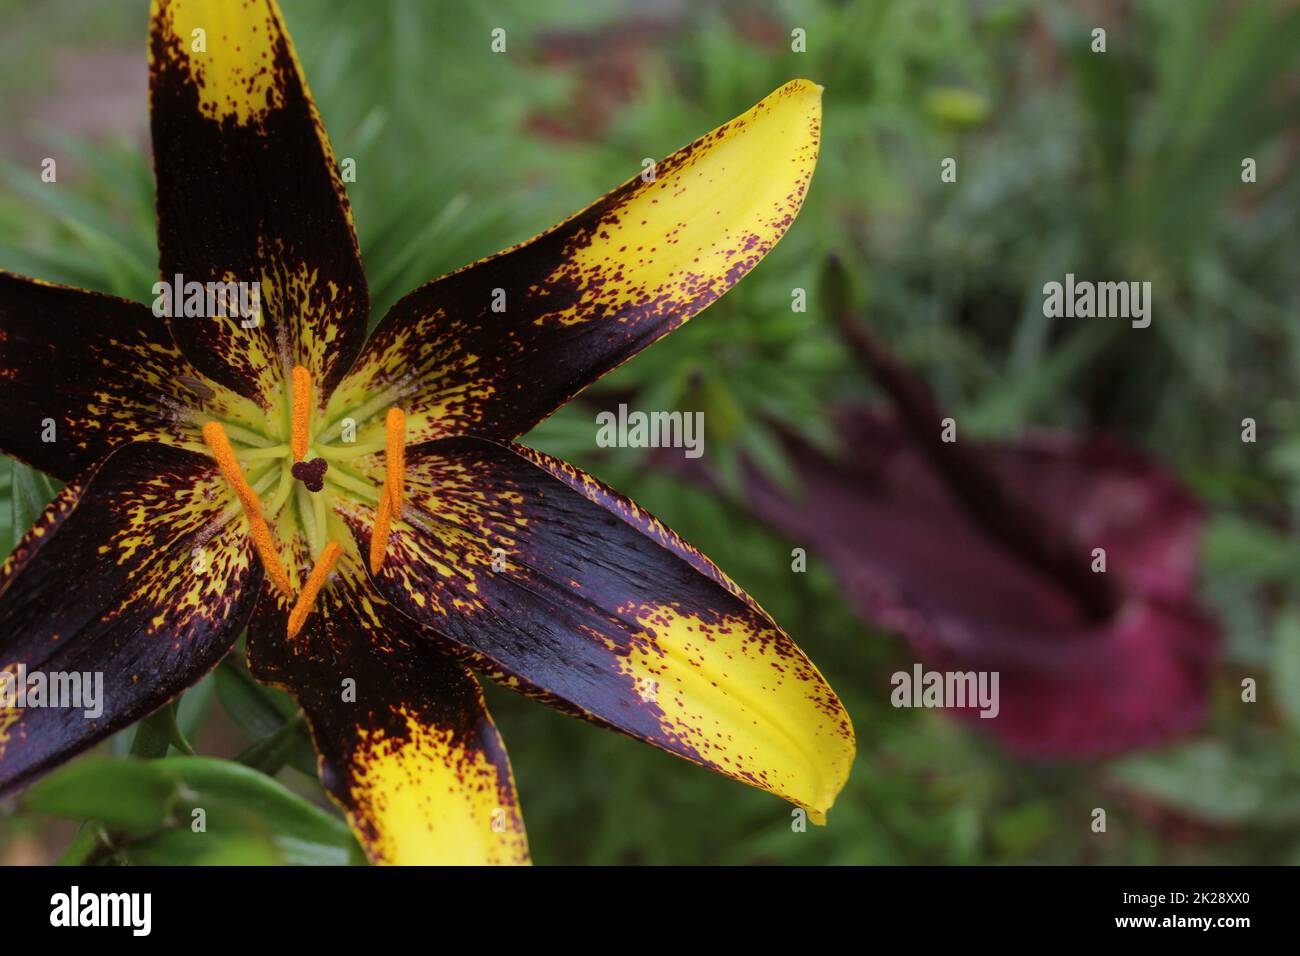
(315, 581)
(348, 452)
(379, 533)
(395, 460)
(234, 431)
(363, 414)
(255, 454)
(215, 437)
(301, 412)
(353, 484)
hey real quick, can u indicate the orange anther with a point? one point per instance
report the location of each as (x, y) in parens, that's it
(301, 412)
(265, 545)
(315, 581)
(395, 459)
(215, 437)
(379, 533)
(390, 497)
(219, 444)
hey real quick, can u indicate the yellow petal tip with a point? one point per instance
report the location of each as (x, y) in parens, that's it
(806, 86)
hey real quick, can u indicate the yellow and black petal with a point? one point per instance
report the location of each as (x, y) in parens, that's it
(497, 346)
(551, 581)
(81, 373)
(405, 742)
(140, 575)
(248, 191)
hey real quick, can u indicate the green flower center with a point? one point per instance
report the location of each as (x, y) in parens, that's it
(286, 489)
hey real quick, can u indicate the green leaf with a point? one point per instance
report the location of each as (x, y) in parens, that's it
(192, 709)
(1232, 545)
(1212, 781)
(251, 705)
(145, 799)
(957, 106)
(32, 491)
(768, 455)
(289, 815)
(263, 713)
(159, 731)
(275, 750)
(125, 795)
(184, 847)
(1286, 668)
(1021, 830)
(1011, 404)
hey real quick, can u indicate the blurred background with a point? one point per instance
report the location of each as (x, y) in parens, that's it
(1121, 165)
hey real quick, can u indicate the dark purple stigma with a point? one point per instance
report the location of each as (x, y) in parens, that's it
(310, 473)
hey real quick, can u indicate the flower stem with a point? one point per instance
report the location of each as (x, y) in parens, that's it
(89, 843)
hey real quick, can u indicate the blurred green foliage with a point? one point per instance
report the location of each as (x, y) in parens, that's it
(1124, 164)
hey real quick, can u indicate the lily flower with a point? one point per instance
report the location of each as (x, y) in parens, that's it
(362, 506)
(1064, 563)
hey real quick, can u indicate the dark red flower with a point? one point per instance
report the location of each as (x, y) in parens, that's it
(983, 557)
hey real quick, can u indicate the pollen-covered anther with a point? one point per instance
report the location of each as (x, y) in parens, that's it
(298, 437)
(315, 581)
(379, 533)
(219, 444)
(395, 458)
(390, 498)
